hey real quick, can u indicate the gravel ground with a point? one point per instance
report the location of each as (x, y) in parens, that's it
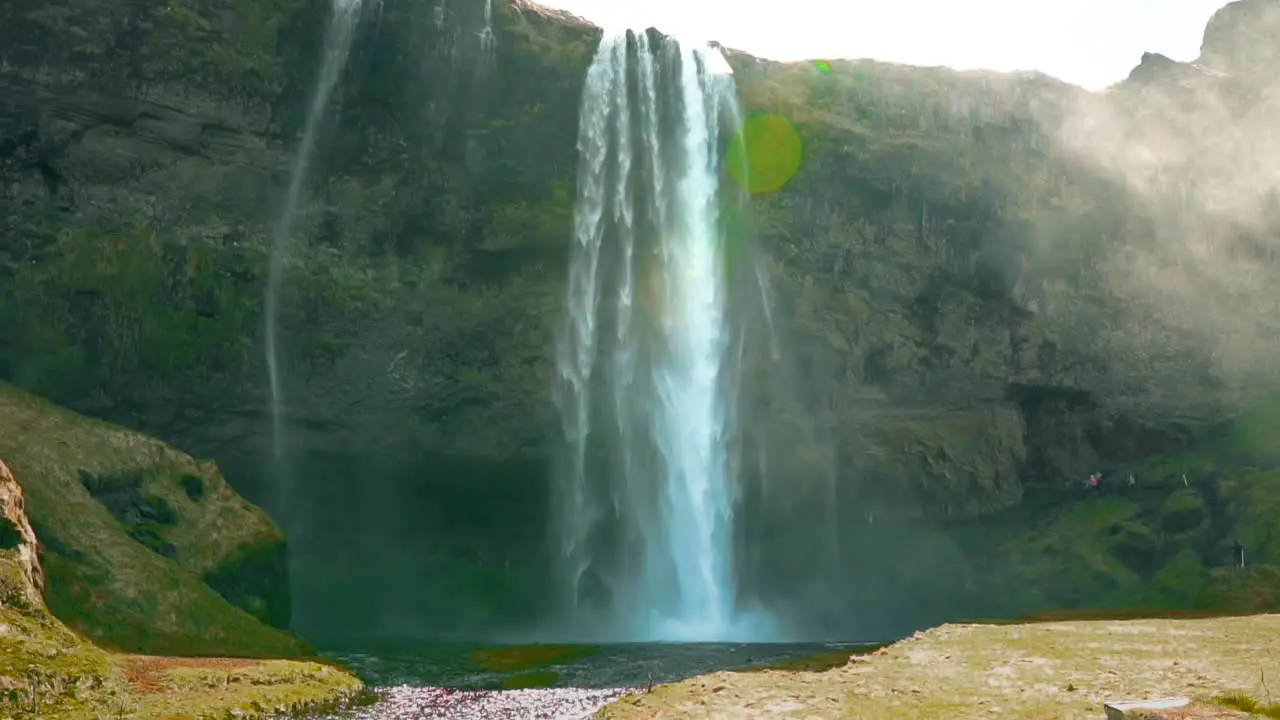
(405, 702)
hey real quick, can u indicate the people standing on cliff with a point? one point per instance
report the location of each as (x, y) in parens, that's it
(1184, 480)
(1131, 482)
(1237, 550)
(1093, 481)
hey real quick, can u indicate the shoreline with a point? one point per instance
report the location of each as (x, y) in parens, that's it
(1062, 669)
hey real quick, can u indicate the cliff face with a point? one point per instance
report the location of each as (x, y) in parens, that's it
(144, 199)
(948, 259)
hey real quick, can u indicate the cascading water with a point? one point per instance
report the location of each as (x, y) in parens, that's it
(487, 41)
(342, 26)
(648, 357)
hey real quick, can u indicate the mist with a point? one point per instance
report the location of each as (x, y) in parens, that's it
(1193, 148)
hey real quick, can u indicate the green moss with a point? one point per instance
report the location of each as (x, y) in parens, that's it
(1255, 589)
(547, 38)
(241, 689)
(535, 679)
(1183, 511)
(250, 579)
(14, 588)
(105, 583)
(817, 662)
(1253, 498)
(509, 658)
(1246, 441)
(112, 313)
(230, 47)
(49, 673)
(1161, 546)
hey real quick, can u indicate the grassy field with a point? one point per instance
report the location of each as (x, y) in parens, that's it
(1042, 670)
(50, 673)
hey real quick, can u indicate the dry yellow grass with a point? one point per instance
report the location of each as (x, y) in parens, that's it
(1058, 670)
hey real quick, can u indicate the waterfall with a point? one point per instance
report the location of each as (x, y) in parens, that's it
(342, 25)
(648, 355)
(487, 41)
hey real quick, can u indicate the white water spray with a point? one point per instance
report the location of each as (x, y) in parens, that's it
(342, 25)
(645, 500)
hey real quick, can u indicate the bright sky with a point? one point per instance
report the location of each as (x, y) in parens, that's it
(1092, 43)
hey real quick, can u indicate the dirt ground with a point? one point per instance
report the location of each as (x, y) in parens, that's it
(1055, 670)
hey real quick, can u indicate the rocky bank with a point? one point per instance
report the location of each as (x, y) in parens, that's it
(994, 284)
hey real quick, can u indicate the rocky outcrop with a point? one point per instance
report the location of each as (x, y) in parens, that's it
(22, 579)
(965, 263)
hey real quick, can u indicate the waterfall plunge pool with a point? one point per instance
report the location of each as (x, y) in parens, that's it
(429, 681)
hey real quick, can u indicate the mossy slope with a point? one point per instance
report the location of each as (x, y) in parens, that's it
(125, 542)
(1158, 546)
(48, 672)
(1166, 542)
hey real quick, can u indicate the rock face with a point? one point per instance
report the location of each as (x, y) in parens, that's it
(143, 548)
(22, 584)
(988, 287)
(1243, 39)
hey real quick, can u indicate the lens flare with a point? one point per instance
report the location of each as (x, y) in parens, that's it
(766, 154)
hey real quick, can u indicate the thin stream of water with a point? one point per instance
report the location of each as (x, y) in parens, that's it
(338, 37)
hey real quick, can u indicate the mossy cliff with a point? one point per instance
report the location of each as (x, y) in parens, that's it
(144, 549)
(956, 269)
(49, 672)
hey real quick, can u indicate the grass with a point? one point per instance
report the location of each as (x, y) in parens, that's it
(1245, 703)
(1160, 548)
(1051, 669)
(51, 673)
(187, 687)
(112, 587)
